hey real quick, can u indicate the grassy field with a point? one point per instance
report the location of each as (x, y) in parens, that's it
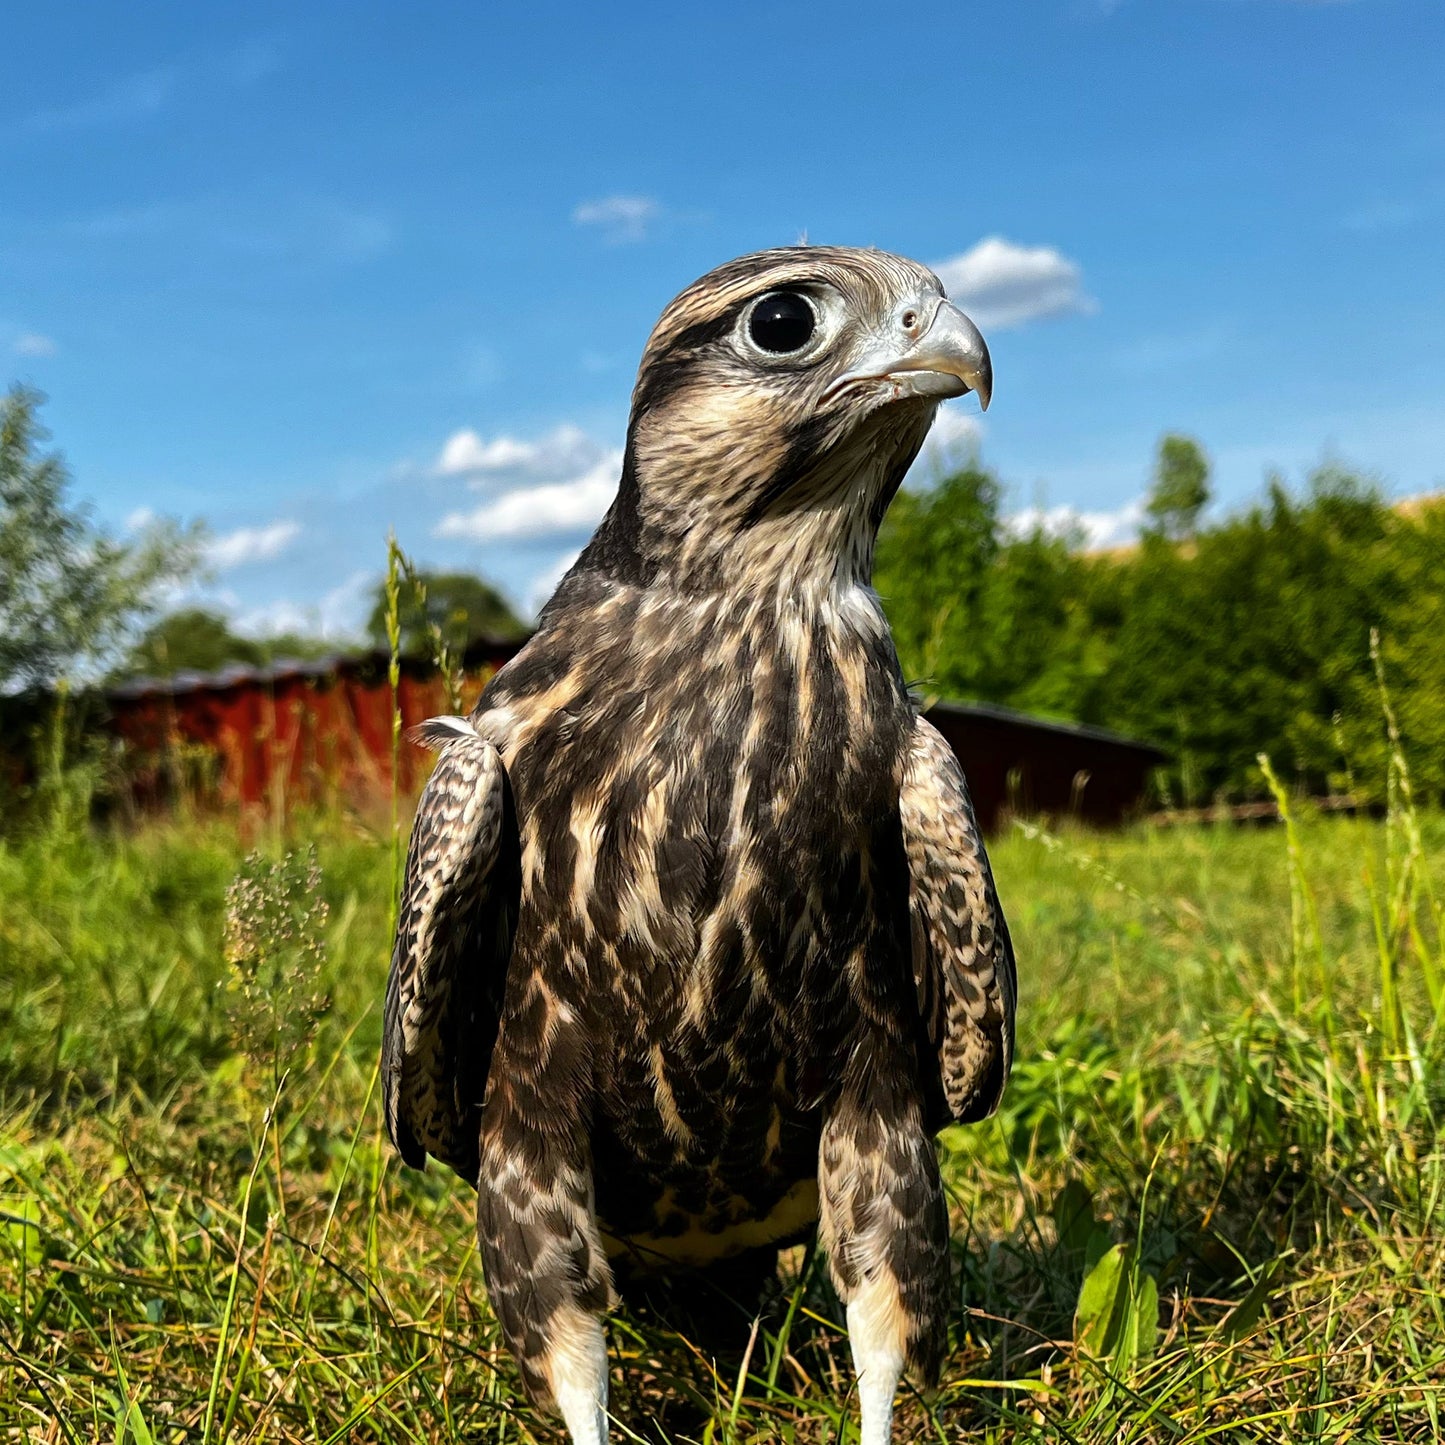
(1212, 1207)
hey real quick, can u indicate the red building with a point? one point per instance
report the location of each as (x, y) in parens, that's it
(317, 731)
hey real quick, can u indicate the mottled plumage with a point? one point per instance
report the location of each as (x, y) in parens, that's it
(699, 944)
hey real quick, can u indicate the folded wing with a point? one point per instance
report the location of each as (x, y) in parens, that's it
(963, 960)
(453, 942)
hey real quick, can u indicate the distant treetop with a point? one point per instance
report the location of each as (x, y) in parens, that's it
(461, 605)
(71, 595)
(197, 640)
(1181, 487)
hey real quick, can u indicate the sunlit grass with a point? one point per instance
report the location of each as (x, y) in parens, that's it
(1228, 1062)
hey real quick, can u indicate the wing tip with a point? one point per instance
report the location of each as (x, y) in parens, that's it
(438, 732)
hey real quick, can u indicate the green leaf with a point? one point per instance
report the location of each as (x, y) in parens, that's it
(1098, 1318)
(21, 1222)
(1117, 1317)
(1144, 1312)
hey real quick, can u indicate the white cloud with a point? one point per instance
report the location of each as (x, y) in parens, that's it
(955, 437)
(257, 60)
(347, 233)
(1099, 529)
(549, 509)
(1181, 349)
(338, 616)
(466, 453)
(954, 430)
(32, 343)
(251, 544)
(620, 218)
(1001, 284)
(139, 520)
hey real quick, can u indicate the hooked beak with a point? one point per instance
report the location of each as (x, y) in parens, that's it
(947, 359)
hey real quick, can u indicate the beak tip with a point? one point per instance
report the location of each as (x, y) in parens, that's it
(980, 383)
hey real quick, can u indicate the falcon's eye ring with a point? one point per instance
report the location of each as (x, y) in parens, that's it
(782, 322)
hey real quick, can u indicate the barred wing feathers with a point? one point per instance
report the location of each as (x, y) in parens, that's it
(453, 941)
(963, 959)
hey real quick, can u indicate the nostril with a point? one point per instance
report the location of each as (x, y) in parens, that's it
(910, 320)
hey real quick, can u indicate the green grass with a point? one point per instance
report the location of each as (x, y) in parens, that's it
(1229, 1067)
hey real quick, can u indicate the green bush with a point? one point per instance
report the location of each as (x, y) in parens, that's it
(1250, 634)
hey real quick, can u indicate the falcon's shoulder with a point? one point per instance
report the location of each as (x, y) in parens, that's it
(454, 930)
(963, 961)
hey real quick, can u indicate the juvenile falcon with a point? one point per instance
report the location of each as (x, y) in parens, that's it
(699, 944)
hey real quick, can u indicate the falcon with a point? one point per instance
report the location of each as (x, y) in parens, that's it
(699, 946)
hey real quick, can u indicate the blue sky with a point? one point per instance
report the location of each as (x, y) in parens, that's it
(310, 272)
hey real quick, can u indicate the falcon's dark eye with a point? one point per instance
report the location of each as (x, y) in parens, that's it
(782, 322)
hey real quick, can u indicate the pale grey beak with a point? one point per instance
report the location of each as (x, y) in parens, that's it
(946, 358)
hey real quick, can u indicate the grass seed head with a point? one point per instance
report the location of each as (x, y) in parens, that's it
(275, 950)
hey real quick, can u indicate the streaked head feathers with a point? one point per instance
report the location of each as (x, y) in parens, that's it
(799, 380)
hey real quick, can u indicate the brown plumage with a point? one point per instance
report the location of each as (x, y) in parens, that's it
(699, 944)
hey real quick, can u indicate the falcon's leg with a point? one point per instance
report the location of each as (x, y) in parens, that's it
(547, 1275)
(885, 1227)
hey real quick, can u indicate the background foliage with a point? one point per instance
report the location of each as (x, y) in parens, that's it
(70, 594)
(1249, 633)
(453, 607)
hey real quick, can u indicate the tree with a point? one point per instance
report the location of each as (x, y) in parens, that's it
(197, 640)
(191, 640)
(934, 552)
(1253, 638)
(462, 606)
(1181, 487)
(70, 594)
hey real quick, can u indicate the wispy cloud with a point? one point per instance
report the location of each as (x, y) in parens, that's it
(1109, 7)
(338, 616)
(133, 98)
(1002, 284)
(1148, 355)
(954, 438)
(620, 218)
(466, 453)
(251, 544)
(550, 509)
(1097, 529)
(253, 61)
(32, 344)
(145, 93)
(351, 234)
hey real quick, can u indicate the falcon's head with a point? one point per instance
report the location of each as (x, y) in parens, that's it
(780, 400)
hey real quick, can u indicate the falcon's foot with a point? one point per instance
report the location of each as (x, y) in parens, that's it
(877, 1335)
(575, 1364)
(885, 1227)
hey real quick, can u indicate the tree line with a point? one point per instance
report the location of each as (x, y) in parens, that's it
(78, 603)
(1216, 639)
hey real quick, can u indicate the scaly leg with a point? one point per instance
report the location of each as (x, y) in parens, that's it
(576, 1369)
(547, 1275)
(885, 1227)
